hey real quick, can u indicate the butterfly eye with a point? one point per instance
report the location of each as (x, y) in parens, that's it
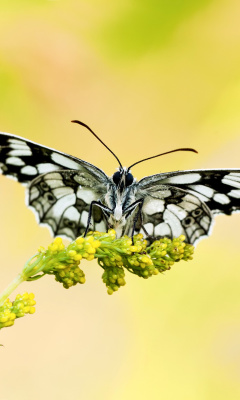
(129, 179)
(197, 212)
(188, 221)
(116, 177)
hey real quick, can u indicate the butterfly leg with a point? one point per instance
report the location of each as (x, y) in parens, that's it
(105, 210)
(131, 208)
(138, 215)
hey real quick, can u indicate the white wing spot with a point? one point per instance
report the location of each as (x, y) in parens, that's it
(205, 222)
(15, 161)
(178, 211)
(235, 174)
(52, 223)
(57, 210)
(162, 193)
(66, 232)
(17, 141)
(84, 218)
(65, 161)
(235, 194)
(188, 205)
(152, 206)
(174, 223)
(33, 194)
(23, 152)
(29, 170)
(62, 191)
(20, 146)
(46, 167)
(206, 191)
(192, 199)
(53, 182)
(162, 230)
(221, 198)
(54, 176)
(149, 228)
(198, 232)
(72, 214)
(200, 196)
(37, 206)
(86, 195)
(183, 178)
(231, 181)
(100, 226)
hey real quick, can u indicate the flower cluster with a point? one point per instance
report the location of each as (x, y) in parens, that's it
(113, 277)
(112, 254)
(165, 252)
(64, 262)
(137, 257)
(9, 311)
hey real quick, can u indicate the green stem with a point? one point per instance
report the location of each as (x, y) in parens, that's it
(11, 287)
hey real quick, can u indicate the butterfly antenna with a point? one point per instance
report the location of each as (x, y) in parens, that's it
(162, 154)
(94, 134)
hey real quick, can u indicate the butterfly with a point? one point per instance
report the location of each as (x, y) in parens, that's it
(72, 196)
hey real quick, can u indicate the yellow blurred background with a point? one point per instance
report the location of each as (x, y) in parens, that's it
(148, 77)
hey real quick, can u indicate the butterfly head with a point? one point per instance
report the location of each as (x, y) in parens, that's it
(122, 178)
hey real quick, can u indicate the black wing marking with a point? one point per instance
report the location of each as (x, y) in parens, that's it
(171, 212)
(24, 160)
(219, 188)
(62, 200)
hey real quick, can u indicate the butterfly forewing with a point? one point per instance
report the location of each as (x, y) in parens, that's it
(24, 160)
(61, 187)
(219, 188)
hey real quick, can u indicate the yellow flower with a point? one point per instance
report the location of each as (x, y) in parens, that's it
(9, 311)
(113, 255)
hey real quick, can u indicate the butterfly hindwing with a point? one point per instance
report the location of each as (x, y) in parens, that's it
(172, 212)
(62, 200)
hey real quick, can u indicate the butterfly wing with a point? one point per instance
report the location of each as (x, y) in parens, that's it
(61, 187)
(219, 188)
(24, 160)
(170, 212)
(207, 192)
(62, 201)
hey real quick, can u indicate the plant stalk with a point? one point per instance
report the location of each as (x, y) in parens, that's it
(11, 287)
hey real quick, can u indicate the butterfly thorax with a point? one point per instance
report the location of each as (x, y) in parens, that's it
(120, 196)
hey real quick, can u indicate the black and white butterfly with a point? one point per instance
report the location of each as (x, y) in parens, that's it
(71, 196)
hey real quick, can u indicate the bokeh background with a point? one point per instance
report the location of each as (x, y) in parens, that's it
(148, 77)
